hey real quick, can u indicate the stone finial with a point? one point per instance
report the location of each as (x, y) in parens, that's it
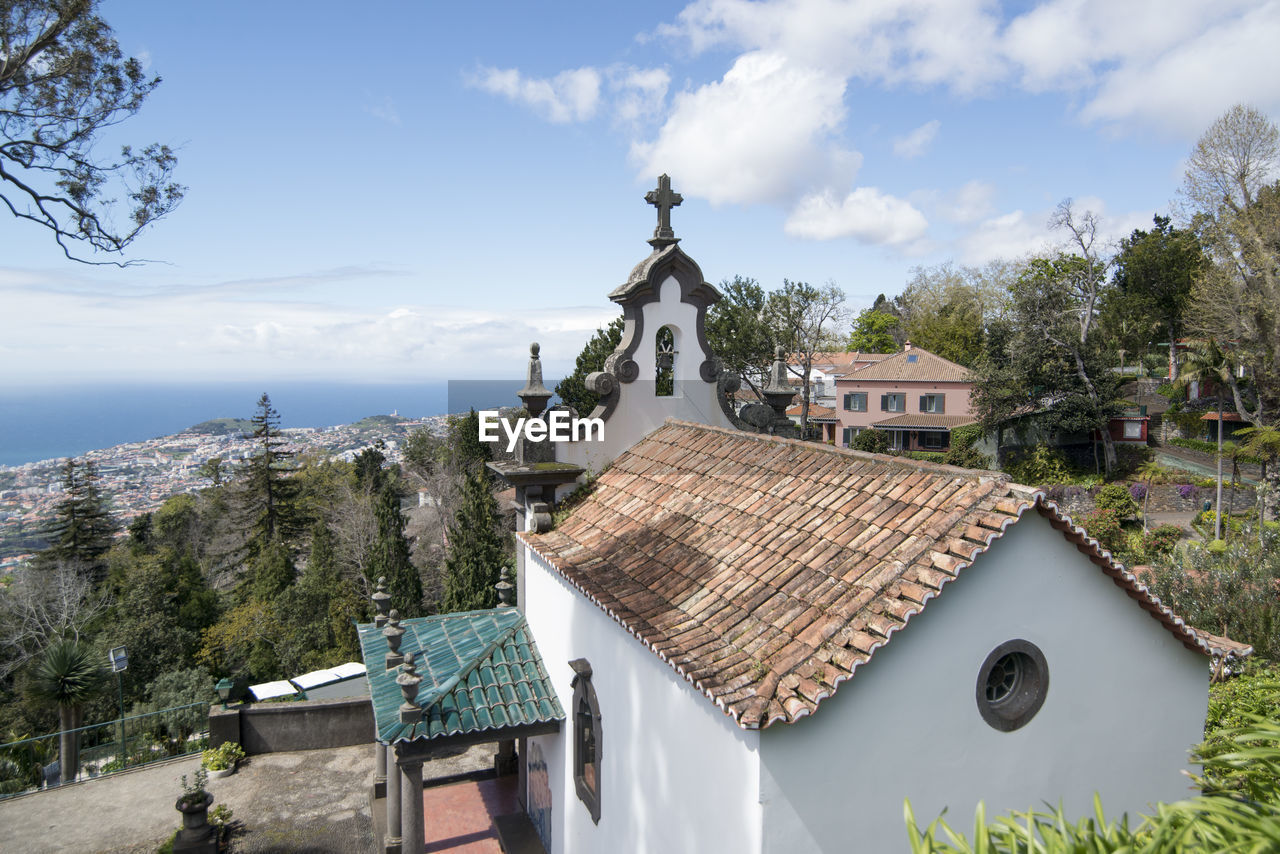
(504, 588)
(409, 680)
(393, 633)
(381, 601)
(534, 394)
(664, 200)
(779, 391)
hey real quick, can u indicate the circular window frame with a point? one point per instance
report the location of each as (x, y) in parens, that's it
(1027, 693)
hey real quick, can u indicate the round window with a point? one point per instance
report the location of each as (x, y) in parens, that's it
(1012, 685)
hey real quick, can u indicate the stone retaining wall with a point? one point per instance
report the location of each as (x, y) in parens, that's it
(303, 725)
(1165, 498)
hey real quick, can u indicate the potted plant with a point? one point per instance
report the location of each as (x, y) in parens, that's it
(194, 806)
(221, 760)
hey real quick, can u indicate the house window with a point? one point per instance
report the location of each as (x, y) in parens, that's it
(586, 738)
(1012, 684)
(893, 403)
(846, 436)
(1133, 429)
(932, 403)
(855, 401)
(933, 439)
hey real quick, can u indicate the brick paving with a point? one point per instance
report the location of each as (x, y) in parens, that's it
(459, 816)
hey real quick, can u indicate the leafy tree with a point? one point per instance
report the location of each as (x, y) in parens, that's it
(1154, 273)
(273, 571)
(68, 675)
(83, 529)
(63, 83)
(391, 555)
(269, 510)
(1234, 204)
(464, 443)
(42, 604)
(738, 331)
(212, 469)
(477, 551)
(572, 390)
(872, 440)
(805, 320)
(1045, 358)
(872, 332)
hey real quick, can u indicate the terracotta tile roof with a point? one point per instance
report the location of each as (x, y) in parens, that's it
(840, 359)
(900, 367)
(766, 570)
(924, 421)
(816, 412)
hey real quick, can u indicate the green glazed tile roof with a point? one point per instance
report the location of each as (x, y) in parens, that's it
(480, 671)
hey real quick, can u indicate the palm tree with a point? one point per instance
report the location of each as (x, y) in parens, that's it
(67, 676)
(1264, 443)
(1205, 360)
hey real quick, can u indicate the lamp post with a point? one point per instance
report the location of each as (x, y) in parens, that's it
(119, 657)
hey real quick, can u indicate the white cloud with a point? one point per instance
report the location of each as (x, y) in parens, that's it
(1011, 235)
(917, 142)
(866, 214)
(764, 133)
(1173, 63)
(640, 92)
(570, 96)
(227, 333)
(968, 204)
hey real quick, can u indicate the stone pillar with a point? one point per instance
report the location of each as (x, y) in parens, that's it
(379, 770)
(412, 827)
(393, 803)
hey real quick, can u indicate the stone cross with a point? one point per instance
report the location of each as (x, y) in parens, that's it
(664, 200)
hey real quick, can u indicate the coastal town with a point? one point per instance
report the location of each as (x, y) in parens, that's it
(137, 477)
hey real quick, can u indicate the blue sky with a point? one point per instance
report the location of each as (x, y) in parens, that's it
(389, 191)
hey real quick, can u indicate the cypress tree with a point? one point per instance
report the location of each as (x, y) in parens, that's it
(476, 548)
(391, 556)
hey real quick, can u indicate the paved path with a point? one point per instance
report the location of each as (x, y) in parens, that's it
(459, 816)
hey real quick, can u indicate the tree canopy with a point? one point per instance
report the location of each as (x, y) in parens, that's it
(63, 82)
(572, 390)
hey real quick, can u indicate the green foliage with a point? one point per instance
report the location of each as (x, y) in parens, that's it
(572, 390)
(872, 440)
(1158, 542)
(926, 456)
(1115, 497)
(463, 440)
(65, 84)
(197, 790)
(1040, 465)
(391, 555)
(962, 453)
(872, 332)
(477, 550)
(269, 509)
(67, 674)
(738, 330)
(1104, 526)
(222, 757)
(1234, 705)
(1228, 590)
(272, 571)
(83, 529)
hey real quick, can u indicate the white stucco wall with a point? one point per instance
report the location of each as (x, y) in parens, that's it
(1125, 702)
(677, 775)
(640, 411)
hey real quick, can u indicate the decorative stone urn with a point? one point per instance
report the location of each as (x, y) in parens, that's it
(215, 773)
(196, 830)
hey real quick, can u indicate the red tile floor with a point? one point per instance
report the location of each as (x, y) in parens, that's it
(458, 816)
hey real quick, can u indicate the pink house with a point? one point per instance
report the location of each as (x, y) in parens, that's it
(914, 396)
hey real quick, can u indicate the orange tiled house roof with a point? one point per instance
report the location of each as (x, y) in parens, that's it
(901, 367)
(766, 570)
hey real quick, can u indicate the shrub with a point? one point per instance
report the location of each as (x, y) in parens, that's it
(874, 441)
(1137, 491)
(1116, 498)
(927, 456)
(1104, 526)
(1041, 465)
(1186, 490)
(1158, 542)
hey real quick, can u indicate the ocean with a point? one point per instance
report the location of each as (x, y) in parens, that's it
(66, 421)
